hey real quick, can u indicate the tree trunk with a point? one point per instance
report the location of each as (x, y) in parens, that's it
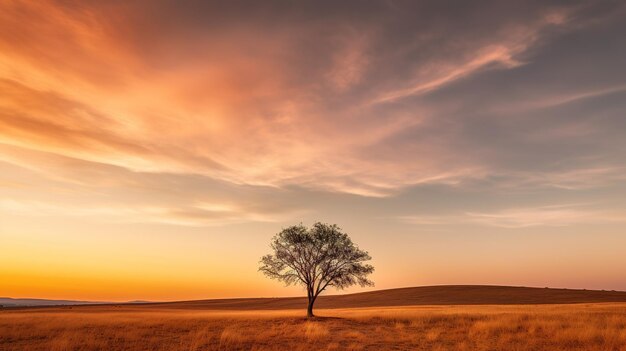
(309, 310)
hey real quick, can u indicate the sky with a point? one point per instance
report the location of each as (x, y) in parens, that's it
(151, 149)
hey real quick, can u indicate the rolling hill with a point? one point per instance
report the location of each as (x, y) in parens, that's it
(415, 296)
(427, 295)
(11, 302)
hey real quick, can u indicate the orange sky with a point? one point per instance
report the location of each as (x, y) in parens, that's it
(150, 150)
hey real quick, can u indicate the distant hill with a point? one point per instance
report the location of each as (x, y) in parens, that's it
(426, 295)
(10, 302)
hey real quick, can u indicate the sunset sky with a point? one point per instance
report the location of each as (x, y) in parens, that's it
(151, 149)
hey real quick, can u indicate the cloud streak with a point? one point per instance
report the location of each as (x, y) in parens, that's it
(371, 103)
(545, 216)
(519, 218)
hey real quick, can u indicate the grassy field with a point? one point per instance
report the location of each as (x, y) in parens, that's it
(599, 326)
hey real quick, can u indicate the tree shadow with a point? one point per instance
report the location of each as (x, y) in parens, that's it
(320, 319)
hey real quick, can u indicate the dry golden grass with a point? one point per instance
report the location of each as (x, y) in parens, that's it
(587, 327)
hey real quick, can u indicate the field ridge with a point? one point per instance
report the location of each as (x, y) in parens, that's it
(414, 296)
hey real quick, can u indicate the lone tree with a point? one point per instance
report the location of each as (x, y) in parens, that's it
(316, 258)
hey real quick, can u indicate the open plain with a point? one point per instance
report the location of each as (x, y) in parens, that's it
(190, 326)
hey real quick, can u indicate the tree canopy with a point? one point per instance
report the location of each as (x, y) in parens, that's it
(318, 257)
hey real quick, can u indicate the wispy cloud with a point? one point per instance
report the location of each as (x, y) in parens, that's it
(547, 216)
(499, 55)
(111, 193)
(512, 218)
(317, 99)
(274, 120)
